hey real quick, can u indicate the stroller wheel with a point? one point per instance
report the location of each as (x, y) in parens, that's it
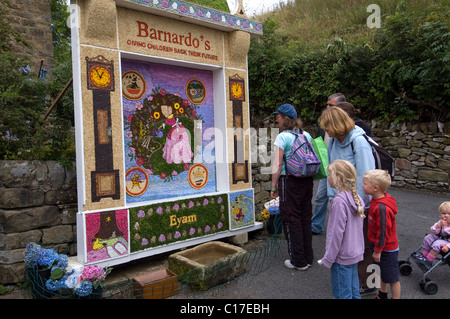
(405, 268)
(430, 288)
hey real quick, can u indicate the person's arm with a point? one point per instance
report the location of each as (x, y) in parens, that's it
(381, 221)
(276, 171)
(436, 228)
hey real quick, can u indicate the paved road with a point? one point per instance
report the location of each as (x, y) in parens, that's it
(270, 279)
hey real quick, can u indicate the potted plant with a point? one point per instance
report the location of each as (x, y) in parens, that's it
(272, 213)
(88, 283)
(42, 265)
(48, 272)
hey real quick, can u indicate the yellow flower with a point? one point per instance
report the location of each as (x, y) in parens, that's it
(156, 115)
(176, 106)
(265, 213)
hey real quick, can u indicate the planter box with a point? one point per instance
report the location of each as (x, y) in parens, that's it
(209, 264)
(156, 285)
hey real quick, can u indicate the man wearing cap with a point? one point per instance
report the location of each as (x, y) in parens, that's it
(294, 193)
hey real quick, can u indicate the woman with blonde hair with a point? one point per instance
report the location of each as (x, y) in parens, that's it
(347, 142)
(345, 238)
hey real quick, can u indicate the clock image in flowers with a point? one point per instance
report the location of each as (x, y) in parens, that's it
(100, 76)
(237, 90)
(161, 133)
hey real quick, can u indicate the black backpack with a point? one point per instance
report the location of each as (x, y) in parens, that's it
(383, 160)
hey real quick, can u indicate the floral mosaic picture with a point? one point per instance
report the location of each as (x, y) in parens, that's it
(242, 212)
(166, 111)
(106, 235)
(168, 222)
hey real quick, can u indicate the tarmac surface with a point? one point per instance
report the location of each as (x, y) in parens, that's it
(269, 280)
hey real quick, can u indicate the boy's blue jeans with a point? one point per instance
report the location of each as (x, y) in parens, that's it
(345, 281)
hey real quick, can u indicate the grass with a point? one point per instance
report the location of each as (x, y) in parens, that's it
(313, 24)
(215, 4)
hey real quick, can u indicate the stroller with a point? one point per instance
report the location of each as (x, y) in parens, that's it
(430, 287)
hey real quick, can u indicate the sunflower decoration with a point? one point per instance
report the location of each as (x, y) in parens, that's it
(265, 213)
(160, 123)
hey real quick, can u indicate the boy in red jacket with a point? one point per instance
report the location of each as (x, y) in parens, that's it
(382, 231)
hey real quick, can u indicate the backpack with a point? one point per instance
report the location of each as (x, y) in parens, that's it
(303, 161)
(383, 160)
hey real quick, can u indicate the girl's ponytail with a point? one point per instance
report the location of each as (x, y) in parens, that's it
(358, 201)
(343, 175)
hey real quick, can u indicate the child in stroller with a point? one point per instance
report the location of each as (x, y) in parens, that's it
(438, 240)
(435, 243)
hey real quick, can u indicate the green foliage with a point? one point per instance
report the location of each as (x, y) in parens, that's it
(416, 54)
(402, 74)
(57, 273)
(60, 32)
(4, 290)
(24, 100)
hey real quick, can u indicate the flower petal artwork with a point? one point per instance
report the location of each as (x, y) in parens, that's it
(182, 220)
(163, 131)
(242, 210)
(107, 234)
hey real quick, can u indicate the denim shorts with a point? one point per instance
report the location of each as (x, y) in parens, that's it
(389, 267)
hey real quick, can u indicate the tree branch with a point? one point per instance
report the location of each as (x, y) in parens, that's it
(409, 100)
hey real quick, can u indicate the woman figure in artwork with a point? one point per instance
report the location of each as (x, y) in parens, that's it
(178, 147)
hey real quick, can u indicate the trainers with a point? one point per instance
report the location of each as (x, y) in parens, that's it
(288, 264)
(424, 260)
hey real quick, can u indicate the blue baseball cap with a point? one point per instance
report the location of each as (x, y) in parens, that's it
(286, 109)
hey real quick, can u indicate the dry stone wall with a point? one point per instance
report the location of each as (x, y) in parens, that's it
(32, 19)
(37, 204)
(422, 153)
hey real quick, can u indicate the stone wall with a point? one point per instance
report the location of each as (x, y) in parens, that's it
(422, 153)
(37, 204)
(32, 19)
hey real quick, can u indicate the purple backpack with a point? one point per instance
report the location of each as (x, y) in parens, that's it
(303, 161)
